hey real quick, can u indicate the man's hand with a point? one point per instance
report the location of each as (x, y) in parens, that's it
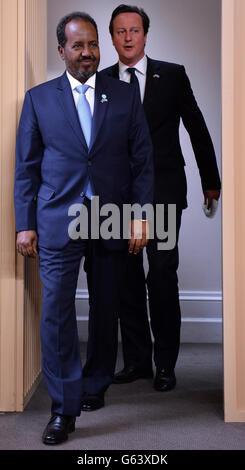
(139, 235)
(211, 194)
(26, 243)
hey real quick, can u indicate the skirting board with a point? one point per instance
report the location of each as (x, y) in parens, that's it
(201, 316)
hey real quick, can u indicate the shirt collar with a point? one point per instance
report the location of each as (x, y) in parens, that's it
(74, 82)
(140, 66)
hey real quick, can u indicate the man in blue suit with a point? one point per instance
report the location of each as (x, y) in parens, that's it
(80, 135)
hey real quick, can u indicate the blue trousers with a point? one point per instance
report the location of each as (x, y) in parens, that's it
(61, 362)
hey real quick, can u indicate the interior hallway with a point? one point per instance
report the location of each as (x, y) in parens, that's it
(136, 417)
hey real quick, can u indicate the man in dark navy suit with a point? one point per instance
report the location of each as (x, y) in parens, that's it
(80, 135)
(167, 97)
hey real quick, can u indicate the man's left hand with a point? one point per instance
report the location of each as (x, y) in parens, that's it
(139, 235)
(209, 195)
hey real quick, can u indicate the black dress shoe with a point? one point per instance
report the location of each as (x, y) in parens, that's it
(130, 374)
(164, 380)
(92, 402)
(58, 428)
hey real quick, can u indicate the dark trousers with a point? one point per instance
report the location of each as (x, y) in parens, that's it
(61, 362)
(105, 272)
(165, 318)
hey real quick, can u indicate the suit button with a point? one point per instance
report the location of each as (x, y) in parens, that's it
(82, 194)
(89, 162)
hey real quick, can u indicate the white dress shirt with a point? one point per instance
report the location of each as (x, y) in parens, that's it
(140, 72)
(89, 93)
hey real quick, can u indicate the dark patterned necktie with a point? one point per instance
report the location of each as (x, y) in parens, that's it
(134, 78)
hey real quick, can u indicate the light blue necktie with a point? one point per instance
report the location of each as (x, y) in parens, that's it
(85, 118)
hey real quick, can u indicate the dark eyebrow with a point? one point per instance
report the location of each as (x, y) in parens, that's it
(81, 42)
(131, 27)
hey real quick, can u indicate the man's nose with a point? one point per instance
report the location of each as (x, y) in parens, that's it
(128, 36)
(86, 50)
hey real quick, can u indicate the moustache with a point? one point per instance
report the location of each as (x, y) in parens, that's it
(84, 59)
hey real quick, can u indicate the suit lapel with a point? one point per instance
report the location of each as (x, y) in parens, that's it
(100, 108)
(153, 79)
(68, 105)
(115, 71)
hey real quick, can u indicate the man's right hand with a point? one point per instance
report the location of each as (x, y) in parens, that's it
(26, 243)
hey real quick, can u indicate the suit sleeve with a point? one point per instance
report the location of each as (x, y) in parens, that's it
(29, 153)
(141, 160)
(195, 125)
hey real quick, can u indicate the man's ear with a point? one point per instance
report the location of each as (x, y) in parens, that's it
(145, 38)
(61, 52)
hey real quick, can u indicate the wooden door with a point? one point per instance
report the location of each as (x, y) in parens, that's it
(23, 64)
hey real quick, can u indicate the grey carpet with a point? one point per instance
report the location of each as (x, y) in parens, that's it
(136, 417)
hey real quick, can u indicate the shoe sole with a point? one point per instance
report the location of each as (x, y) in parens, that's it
(167, 389)
(69, 431)
(50, 443)
(93, 409)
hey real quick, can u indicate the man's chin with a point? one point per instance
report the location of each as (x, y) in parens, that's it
(84, 74)
(128, 57)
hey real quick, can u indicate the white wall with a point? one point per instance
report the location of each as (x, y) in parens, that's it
(187, 32)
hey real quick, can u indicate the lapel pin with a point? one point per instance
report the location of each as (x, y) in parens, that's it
(156, 75)
(103, 98)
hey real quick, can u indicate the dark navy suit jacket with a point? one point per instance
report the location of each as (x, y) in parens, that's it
(53, 162)
(168, 99)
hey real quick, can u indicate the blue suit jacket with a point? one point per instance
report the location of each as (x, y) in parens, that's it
(53, 162)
